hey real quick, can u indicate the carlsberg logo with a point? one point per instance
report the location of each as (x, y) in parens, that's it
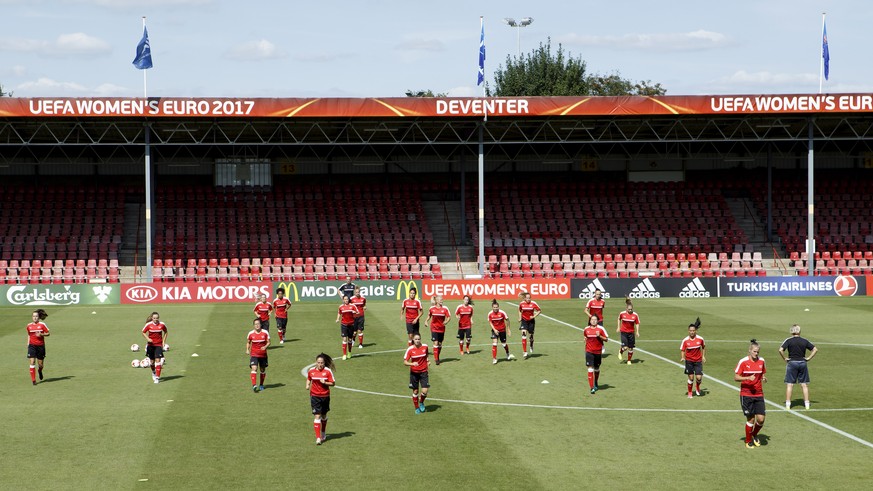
(34, 295)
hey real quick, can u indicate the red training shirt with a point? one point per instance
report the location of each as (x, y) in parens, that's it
(693, 348)
(348, 312)
(595, 307)
(318, 378)
(419, 355)
(527, 310)
(263, 309)
(281, 305)
(593, 344)
(438, 316)
(156, 332)
(412, 307)
(628, 321)
(746, 367)
(360, 303)
(259, 342)
(464, 313)
(498, 320)
(32, 329)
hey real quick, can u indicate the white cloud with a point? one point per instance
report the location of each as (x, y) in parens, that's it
(768, 79)
(323, 57)
(74, 44)
(255, 51)
(19, 70)
(432, 45)
(682, 41)
(48, 87)
(111, 90)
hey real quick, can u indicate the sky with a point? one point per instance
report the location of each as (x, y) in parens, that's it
(382, 48)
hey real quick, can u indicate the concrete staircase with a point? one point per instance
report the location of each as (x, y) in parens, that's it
(134, 226)
(436, 212)
(755, 228)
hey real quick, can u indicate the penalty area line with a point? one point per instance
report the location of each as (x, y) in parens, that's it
(736, 389)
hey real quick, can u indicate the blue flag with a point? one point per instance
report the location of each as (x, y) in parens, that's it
(481, 78)
(825, 53)
(143, 58)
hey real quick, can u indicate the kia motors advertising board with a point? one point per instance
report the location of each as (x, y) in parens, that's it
(540, 289)
(646, 287)
(193, 292)
(794, 286)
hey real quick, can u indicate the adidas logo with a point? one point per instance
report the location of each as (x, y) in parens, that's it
(694, 289)
(644, 289)
(588, 291)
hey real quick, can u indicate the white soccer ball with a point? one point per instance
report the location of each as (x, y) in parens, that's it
(134, 347)
(135, 363)
(166, 347)
(145, 363)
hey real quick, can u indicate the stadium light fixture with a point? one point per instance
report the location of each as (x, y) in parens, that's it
(524, 22)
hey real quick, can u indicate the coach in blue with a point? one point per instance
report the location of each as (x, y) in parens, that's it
(796, 370)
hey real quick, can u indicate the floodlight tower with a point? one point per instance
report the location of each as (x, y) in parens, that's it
(524, 22)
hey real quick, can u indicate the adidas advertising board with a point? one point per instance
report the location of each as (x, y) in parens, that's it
(646, 287)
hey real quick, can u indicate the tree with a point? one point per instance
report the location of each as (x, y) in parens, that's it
(3, 93)
(544, 73)
(425, 93)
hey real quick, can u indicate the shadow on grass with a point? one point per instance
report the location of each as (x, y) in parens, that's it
(57, 379)
(273, 386)
(447, 360)
(337, 436)
(171, 377)
(603, 387)
(536, 355)
(431, 408)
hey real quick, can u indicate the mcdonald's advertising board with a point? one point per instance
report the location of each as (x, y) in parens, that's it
(328, 291)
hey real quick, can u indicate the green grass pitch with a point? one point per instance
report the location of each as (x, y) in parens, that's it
(97, 423)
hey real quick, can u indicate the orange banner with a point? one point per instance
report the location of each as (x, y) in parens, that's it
(460, 107)
(539, 288)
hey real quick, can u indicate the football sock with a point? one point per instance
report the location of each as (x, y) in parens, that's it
(361, 339)
(263, 376)
(596, 376)
(158, 371)
(415, 400)
(468, 346)
(422, 398)
(531, 341)
(506, 348)
(461, 347)
(323, 427)
(630, 355)
(254, 377)
(317, 426)
(590, 379)
(524, 344)
(689, 387)
(698, 386)
(281, 335)
(436, 353)
(345, 348)
(756, 428)
(33, 373)
(749, 427)
(493, 351)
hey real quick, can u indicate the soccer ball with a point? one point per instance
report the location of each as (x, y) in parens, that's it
(166, 347)
(134, 347)
(145, 363)
(135, 363)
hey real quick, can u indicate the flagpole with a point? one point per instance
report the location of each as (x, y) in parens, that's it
(821, 57)
(148, 179)
(482, 156)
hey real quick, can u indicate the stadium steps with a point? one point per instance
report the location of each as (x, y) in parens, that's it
(755, 227)
(435, 212)
(133, 227)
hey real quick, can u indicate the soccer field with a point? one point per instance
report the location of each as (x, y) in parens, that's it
(97, 423)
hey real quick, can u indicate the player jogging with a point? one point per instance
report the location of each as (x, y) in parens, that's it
(410, 311)
(281, 304)
(751, 374)
(595, 338)
(361, 303)
(319, 380)
(36, 334)
(262, 310)
(527, 314)
(437, 317)
(416, 359)
(499, 331)
(346, 315)
(595, 306)
(629, 328)
(257, 343)
(464, 313)
(155, 332)
(693, 350)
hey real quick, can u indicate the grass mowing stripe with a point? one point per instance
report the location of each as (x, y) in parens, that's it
(731, 386)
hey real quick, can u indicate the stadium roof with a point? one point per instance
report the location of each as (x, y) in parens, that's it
(528, 128)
